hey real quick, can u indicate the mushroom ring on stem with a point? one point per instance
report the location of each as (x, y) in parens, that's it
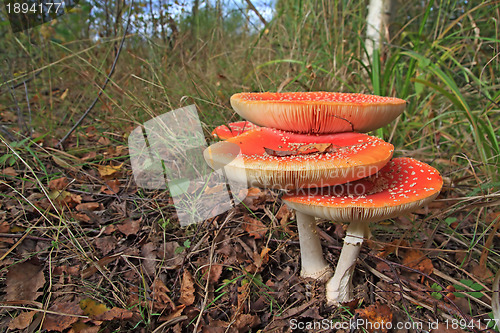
(402, 186)
(318, 112)
(276, 159)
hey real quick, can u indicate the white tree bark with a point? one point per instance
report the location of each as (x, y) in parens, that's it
(377, 25)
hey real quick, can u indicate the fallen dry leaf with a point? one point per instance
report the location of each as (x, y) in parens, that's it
(302, 150)
(215, 189)
(65, 198)
(9, 171)
(59, 183)
(23, 281)
(392, 247)
(106, 244)
(92, 269)
(160, 296)
(245, 321)
(215, 272)
(174, 314)
(114, 313)
(81, 217)
(108, 171)
(482, 272)
(66, 318)
(111, 187)
(92, 308)
(306, 149)
(89, 156)
(187, 289)
(22, 320)
(258, 260)
(109, 229)
(117, 151)
(4, 227)
(168, 253)
(379, 315)
(82, 327)
(416, 259)
(319, 147)
(129, 227)
(254, 227)
(216, 326)
(104, 141)
(255, 198)
(148, 251)
(70, 270)
(91, 206)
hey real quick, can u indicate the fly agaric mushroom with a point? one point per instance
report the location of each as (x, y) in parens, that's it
(275, 159)
(224, 132)
(402, 186)
(280, 160)
(318, 112)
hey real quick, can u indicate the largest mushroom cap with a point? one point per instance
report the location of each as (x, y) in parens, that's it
(282, 160)
(318, 112)
(402, 186)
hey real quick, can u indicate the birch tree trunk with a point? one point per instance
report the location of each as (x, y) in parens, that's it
(377, 25)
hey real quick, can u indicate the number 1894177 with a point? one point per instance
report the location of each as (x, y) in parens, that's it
(472, 323)
(33, 8)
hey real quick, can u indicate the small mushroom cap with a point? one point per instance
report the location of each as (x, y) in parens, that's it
(224, 132)
(318, 112)
(402, 186)
(276, 159)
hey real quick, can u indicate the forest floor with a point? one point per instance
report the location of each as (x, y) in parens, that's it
(83, 249)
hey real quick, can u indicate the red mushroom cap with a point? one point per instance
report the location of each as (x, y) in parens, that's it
(224, 132)
(403, 185)
(318, 112)
(276, 159)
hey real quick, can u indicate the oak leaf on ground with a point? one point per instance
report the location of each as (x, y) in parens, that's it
(416, 259)
(379, 315)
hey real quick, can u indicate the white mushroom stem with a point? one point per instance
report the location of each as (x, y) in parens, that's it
(313, 263)
(339, 288)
